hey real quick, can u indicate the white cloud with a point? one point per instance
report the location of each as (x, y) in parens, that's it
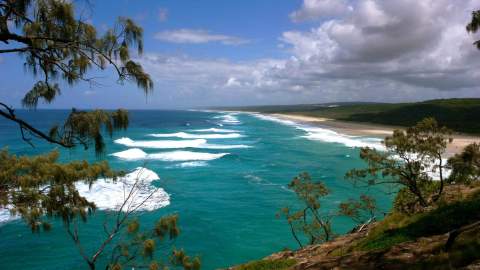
(316, 9)
(385, 50)
(420, 43)
(232, 82)
(197, 36)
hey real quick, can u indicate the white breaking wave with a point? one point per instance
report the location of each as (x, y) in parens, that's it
(5, 215)
(184, 135)
(161, 144)
(170, 144)
(192, 164)
(186, 156)
(229, 119)
(275, 119)
(327, 135)
(131, 154)
(218, 130)
(138, 154)
(110, 195)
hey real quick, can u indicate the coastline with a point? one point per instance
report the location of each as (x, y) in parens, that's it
(367, 129)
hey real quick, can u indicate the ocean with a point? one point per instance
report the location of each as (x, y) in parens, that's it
(224, 173)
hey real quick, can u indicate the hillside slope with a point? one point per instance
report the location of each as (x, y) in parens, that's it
(398, 242)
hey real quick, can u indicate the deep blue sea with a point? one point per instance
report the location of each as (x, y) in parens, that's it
(224, 173)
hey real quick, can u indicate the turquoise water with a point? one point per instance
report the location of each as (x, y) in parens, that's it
(227, 204)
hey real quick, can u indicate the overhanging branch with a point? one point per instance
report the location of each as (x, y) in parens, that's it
(10, 115)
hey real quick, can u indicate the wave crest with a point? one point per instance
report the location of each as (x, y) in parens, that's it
(184, 135)
(229, 119)
(170, 144)
(218, 130)
(327, 135)
(138, 154)
(108, 194)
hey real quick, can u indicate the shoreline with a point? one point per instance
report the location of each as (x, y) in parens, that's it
(368, 129)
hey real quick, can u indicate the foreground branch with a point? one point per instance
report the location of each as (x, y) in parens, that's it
(10, 115)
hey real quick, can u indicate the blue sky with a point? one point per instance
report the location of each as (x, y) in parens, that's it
(211, 53)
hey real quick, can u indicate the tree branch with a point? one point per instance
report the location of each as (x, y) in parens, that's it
(26, 126)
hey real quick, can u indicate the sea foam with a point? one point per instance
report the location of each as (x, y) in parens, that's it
(5, 215)
(327, 135)
(110, 195)
(229, 119)
(161, 144)
(275, 119)
(218, 130)
(171, 144)
(184, 135)
(138, 154)
(192, 164)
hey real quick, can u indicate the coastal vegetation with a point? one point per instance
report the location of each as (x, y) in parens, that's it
(460, 115)
(308, 219)
(435, 220)
(58, 46)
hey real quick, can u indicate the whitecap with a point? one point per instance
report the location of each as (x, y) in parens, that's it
(184, 135)
(275, 119)
(218, 130)
(110, 195)
(170, 144)
(192, 164)
(432, 168)
(137, 154)
(327, 135)
(131, 154)
(185, 156)
(161, 144)
(229, 119)
(225, 146)
(5, 215)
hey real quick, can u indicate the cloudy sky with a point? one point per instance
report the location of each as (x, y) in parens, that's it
(217, 52)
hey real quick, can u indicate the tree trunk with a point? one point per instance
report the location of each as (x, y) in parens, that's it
(441, 181)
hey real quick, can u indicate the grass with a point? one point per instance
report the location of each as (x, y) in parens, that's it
(279, 264)
(464, 252)
(460, 115)
(397, 228)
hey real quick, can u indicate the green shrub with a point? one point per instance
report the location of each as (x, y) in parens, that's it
(397, 228)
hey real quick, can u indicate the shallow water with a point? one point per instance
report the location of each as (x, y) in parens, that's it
(225, 175)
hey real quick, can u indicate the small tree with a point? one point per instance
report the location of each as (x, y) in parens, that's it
(465, 166)
(57, 45)
(36, 188)
(411, 158)
(39, 187)
(308, 219)
(361, 211)
(473, 25)
(133, 247)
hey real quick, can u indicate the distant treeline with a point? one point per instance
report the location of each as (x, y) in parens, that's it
(461, 115)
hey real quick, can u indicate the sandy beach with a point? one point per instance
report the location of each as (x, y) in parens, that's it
(366, 129)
